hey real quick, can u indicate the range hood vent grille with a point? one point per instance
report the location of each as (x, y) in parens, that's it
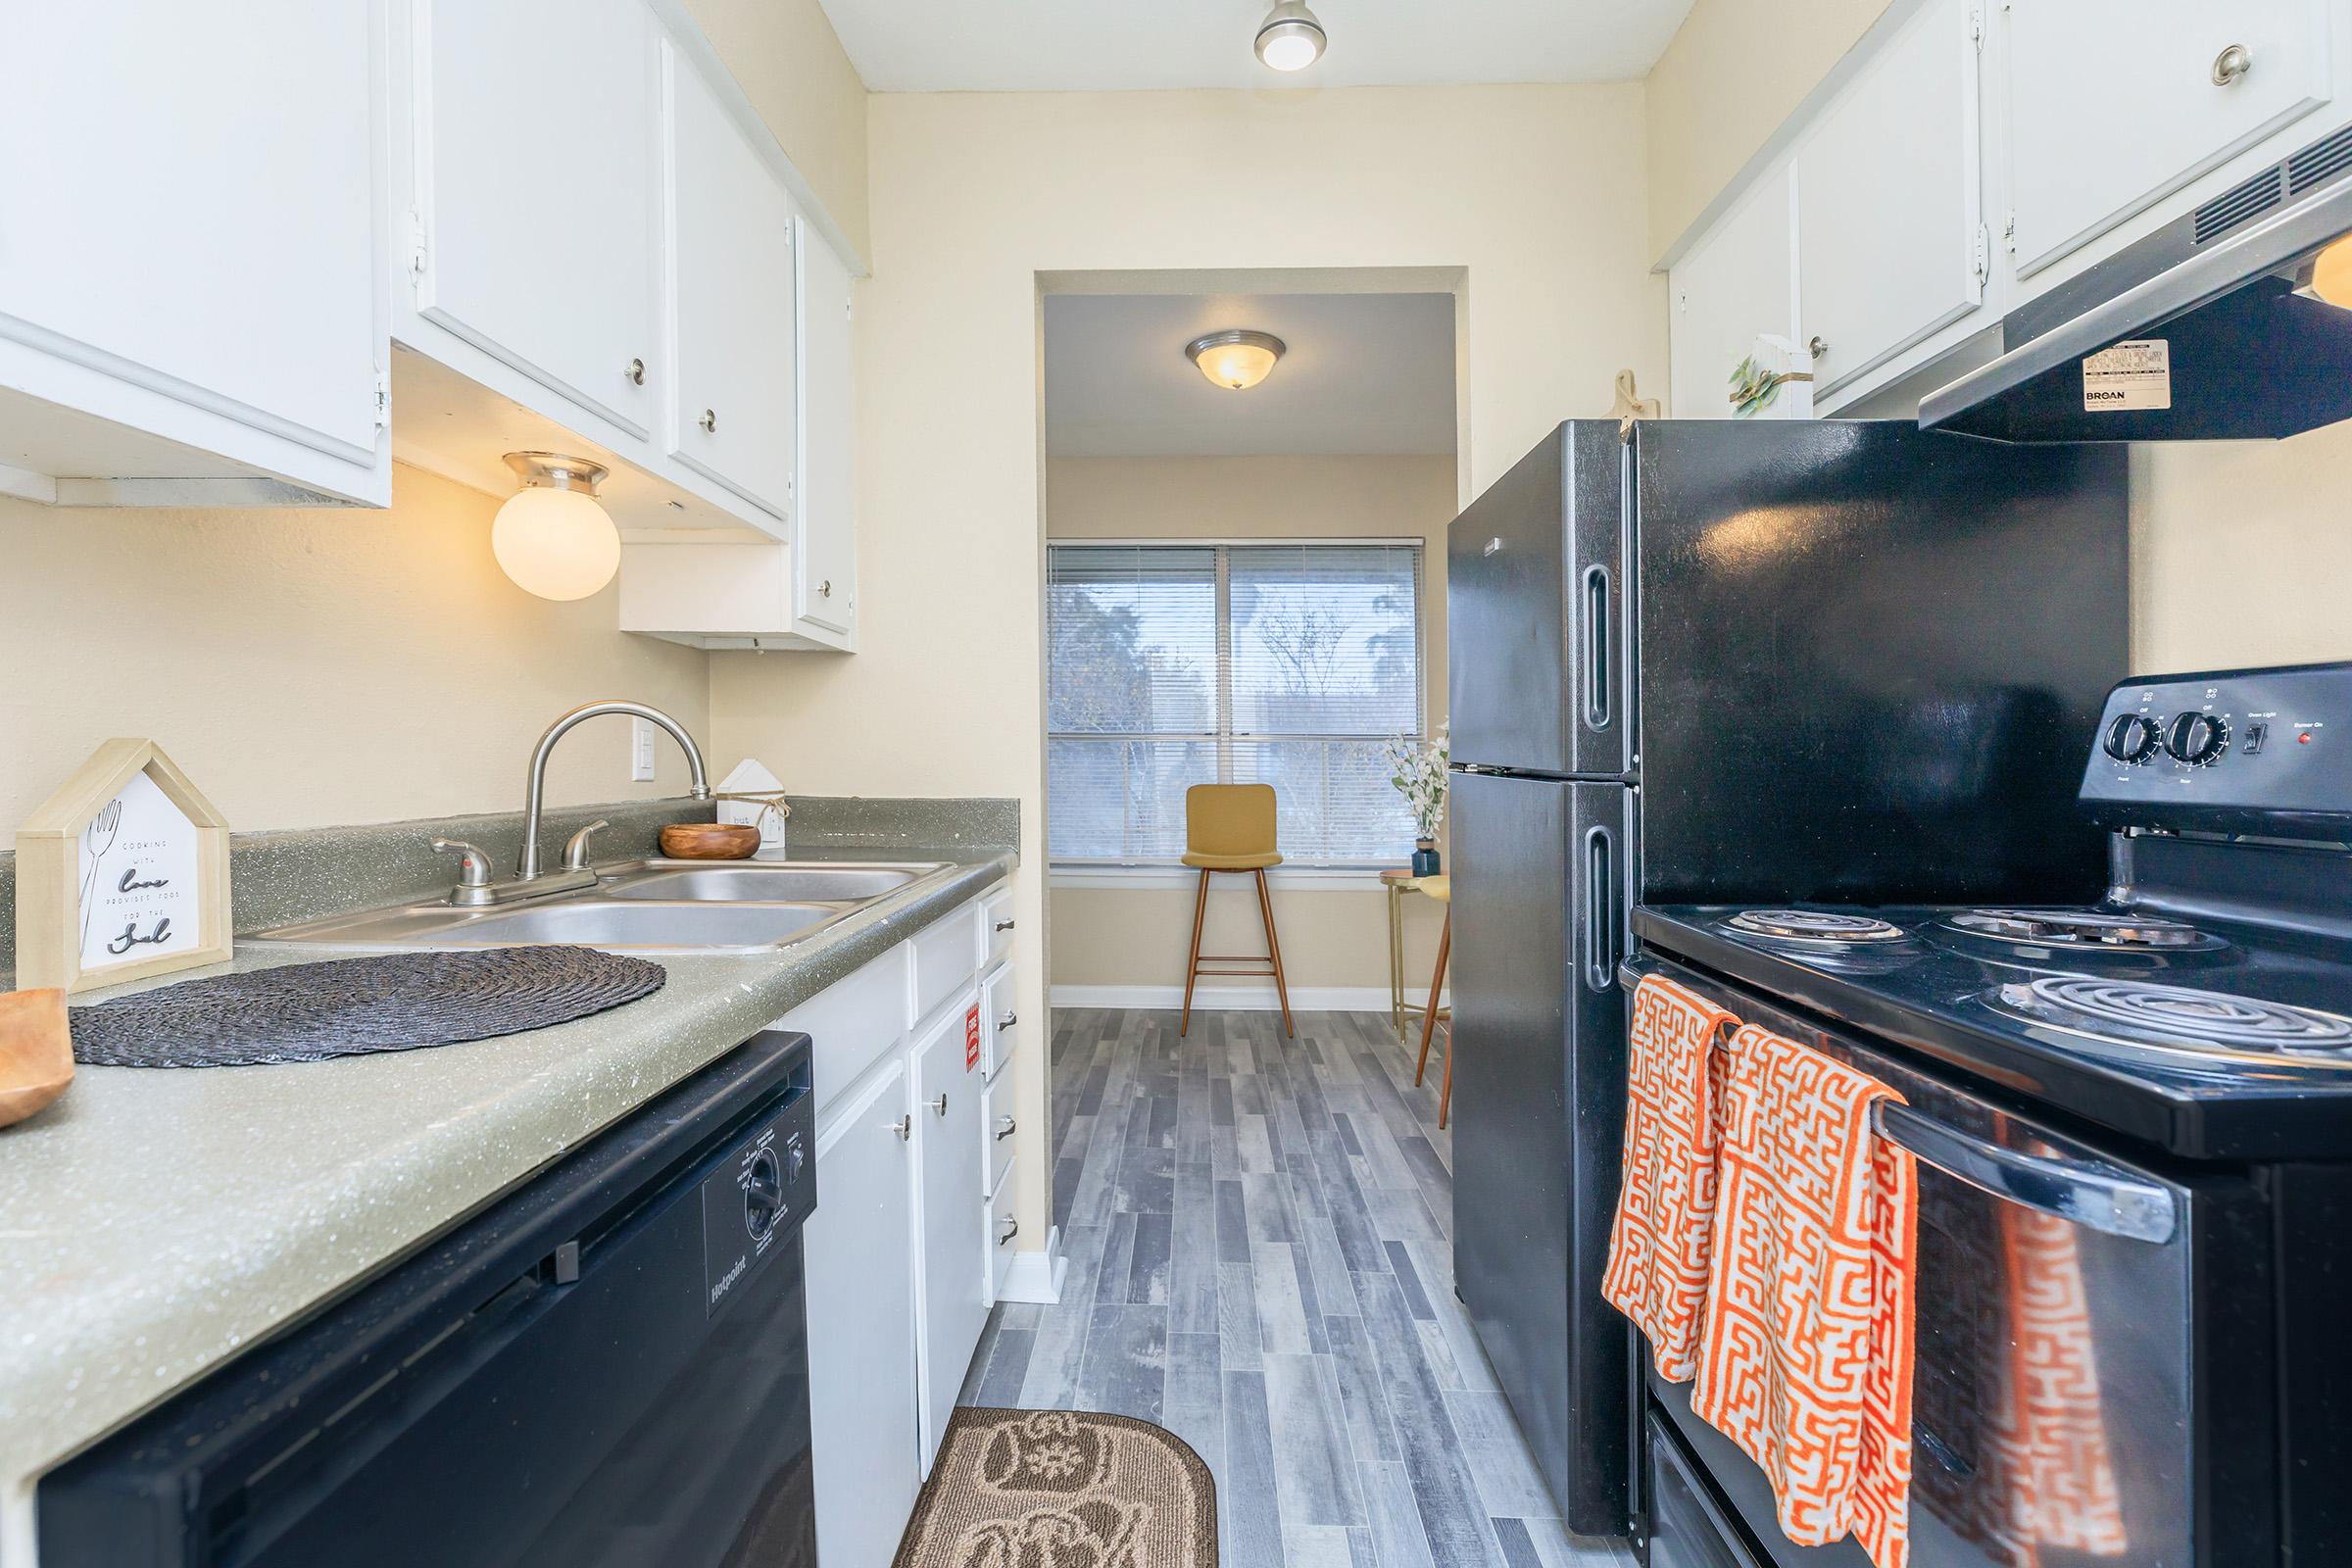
(2237, 204)
(2319, 161)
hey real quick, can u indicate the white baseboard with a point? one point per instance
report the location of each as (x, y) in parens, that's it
(1233, 999)
(1037, 1276)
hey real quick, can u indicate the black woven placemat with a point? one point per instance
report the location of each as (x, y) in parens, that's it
(350, 1006)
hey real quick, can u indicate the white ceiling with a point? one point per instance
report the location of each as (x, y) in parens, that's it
(1362, 373)
(1112, 45)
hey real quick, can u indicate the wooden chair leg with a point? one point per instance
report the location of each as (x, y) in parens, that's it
(1429, 1015)
(1281, 990)
(1446, 1093)
(1192, 964)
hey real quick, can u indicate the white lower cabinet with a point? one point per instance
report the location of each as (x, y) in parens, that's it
(863, 1395)
(913, 1194)
(949, 1139)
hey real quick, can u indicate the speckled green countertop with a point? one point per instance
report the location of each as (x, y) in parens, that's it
(151, 1221)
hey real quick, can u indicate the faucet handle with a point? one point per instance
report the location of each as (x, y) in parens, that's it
(473, 870)
(576, 848)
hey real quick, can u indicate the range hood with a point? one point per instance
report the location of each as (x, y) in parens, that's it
(2213, 328)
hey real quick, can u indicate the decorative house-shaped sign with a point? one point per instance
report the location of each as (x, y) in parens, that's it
(122, 873)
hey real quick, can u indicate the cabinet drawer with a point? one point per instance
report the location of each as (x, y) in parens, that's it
(945, 954)
(852, 1023)
(1004, 1236)
(999, 1026)
(999, 1124)
(996, 926)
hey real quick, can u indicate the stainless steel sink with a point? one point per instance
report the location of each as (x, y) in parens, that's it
(763, 882)
(644, 906)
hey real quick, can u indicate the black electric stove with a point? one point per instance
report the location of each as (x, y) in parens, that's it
(2152, 1088)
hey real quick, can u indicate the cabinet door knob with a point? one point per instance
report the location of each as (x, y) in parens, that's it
(635, 372)
(1004, 1127)
(1012, 1228)
(709, 421)
(1008, 1020)
(824, 589)
(2230, 65)
(940, 1104)
(1817, 347)
(1003, 925)
(904, 1127)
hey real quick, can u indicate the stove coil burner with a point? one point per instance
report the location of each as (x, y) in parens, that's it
(2082, 928)
(1814, 926)
(2130, 1010)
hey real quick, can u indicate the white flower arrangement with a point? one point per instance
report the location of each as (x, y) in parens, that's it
(1419, 774)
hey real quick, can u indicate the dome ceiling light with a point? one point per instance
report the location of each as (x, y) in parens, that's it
(1291, 38)
(552, 537)
(1236, 361)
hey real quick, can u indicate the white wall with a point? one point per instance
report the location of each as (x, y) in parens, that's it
(1536, 194)
(1108, 935)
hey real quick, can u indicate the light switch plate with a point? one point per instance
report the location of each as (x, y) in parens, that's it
(641, 750)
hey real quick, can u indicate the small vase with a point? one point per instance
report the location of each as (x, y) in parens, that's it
(1425, 858)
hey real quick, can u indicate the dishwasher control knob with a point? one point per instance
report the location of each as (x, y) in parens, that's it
(2197, 739)
(762, 1194)
(2131, 738)
(795, 1162)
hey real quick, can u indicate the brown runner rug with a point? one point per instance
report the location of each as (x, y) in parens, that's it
(1061, 1489)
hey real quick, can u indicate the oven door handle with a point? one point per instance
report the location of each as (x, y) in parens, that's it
(2093, 1196)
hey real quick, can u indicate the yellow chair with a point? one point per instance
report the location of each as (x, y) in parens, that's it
(1230, 827)
(1440, 887)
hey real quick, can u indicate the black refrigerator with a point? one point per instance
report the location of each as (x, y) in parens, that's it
(1805, 661)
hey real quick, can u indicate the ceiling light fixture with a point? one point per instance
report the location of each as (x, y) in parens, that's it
(1236, 361)
(1291, 38)
(552, 536)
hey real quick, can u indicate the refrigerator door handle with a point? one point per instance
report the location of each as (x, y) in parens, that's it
(1598, 648)
(1601, 908)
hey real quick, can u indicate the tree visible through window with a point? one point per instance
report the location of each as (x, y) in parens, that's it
(1169, 665)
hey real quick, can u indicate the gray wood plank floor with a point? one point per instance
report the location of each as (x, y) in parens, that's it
(1259, 1234)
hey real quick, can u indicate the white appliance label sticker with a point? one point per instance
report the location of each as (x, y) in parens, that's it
(139, 878)
(2129, 375)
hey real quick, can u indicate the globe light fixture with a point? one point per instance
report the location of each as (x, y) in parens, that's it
(552, 537)
(1291, 38)
(1236, 361)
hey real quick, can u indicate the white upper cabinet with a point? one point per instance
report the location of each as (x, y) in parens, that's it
(537, 191)
(189, 248)
(2115, 103)
(825, 575)
(1733, 287)
(731, 233)
(1890, 240)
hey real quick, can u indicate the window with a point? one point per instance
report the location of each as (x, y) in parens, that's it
(1174, 664)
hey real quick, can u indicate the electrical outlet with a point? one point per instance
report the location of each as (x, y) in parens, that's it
(641, 750)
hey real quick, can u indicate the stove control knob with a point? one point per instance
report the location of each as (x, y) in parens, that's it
(2197, 739)
(2131, 738)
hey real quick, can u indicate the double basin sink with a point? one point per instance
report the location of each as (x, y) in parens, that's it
(657, 905)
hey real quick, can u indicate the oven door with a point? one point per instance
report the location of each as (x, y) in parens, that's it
(2091, 1362)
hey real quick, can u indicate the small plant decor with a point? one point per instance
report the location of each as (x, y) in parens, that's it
(1419, 771)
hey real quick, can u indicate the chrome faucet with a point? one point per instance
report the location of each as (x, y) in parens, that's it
(474, 887)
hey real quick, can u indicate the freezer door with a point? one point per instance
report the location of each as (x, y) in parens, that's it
(1536, 628)
(1538, 1090)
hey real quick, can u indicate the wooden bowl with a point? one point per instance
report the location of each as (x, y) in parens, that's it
(37, 1051)
(710, 841)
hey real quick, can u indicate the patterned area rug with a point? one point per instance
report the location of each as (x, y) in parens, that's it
(1063, 1489)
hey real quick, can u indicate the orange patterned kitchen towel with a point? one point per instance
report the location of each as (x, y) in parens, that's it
(1806, 1359)
(1657, 1272)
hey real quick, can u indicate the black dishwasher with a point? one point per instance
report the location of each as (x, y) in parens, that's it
(607, 1366)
